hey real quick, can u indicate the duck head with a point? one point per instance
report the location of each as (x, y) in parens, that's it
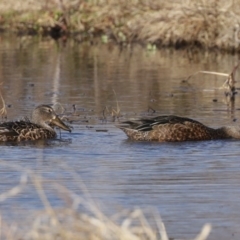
(45, 116)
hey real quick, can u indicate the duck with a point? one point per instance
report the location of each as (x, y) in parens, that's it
(39, 126)
(170, 128)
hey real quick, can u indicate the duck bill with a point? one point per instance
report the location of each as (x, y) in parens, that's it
(59, 123)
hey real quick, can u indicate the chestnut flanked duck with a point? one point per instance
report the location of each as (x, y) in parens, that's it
(175, 129)
(40, 126)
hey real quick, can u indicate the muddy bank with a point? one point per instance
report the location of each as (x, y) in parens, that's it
(210, 25)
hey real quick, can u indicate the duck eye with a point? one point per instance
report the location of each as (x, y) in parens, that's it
(49, 110)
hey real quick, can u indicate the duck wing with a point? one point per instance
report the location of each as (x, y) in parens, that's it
(12, 131)
(147, 124)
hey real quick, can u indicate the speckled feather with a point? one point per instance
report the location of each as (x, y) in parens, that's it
(175, 129)
(22, 131)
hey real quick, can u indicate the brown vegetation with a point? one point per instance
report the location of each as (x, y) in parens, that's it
(209, 24)
(70, 223)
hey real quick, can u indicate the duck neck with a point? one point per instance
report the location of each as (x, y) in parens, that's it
(44, 125)
(229, 132)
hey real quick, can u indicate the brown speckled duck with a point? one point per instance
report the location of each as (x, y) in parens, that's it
(40, 126)
(175, 129)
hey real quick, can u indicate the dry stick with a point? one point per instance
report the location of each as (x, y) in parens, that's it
(92, 205)
(204, 233)
(147, 228)
(83, 187)
(103, 113)
(12, 192)
(74, 108)
(229, 84)
(3, 110)
(38, 185)
(107, 224)
(123, 231)
(160, 226)
(15, 190)
(116, 112)
(208, 72)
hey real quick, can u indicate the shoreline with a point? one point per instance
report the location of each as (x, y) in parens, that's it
(210, 25)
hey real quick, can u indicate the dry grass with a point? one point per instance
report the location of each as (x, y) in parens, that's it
(88, 224)
(209, 24)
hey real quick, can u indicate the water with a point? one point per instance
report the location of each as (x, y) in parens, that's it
(189, 183)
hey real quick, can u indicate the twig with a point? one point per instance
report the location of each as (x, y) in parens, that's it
(15, 190)
(116, 113)
(203, 235)
(103, 113)
(3, 110)
(207, 72)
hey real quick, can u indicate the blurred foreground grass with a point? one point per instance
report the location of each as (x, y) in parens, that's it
(208, 24)
(80, 218)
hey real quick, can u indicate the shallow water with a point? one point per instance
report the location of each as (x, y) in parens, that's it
(189, 183)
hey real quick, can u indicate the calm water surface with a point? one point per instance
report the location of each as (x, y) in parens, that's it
(189, 183)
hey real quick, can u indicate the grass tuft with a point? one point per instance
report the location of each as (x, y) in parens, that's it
(81, 218)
